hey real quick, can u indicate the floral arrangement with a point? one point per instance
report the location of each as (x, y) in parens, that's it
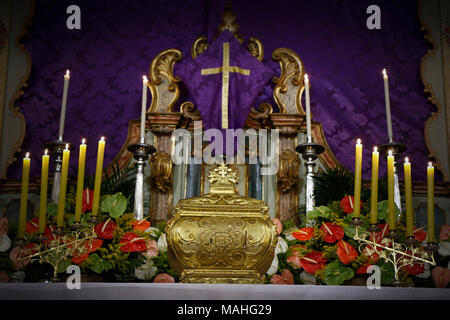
(122, 249)
(327, 254)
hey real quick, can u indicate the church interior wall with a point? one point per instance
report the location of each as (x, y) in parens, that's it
(17, 67)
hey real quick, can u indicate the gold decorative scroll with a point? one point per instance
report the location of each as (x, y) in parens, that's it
(225, 69)
(289, 86)
(162, 82)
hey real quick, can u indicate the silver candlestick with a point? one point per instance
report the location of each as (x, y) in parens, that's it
(310, 151)
(141, 151)
(397, 149)
(56, 150)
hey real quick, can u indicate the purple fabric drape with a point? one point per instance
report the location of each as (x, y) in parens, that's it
(118, 40)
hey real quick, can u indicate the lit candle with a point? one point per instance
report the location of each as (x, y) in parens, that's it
(63, 105)
(408, 198)
(388, 105)
(24, 195)
(358, 164)
(391, 203)
(63, 187)
(374, 192)
(308, 110)
(44, 186)
(430, 202)
(144, 106)
(98, 176)
(80, 180)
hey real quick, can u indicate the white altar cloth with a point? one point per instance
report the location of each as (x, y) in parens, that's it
(180, 291)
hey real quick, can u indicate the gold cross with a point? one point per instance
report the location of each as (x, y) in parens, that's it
(225, 69)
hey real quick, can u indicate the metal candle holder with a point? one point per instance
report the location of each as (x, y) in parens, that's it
(56, 149)
(398, 254)
(310, 151)
(141, 151)
(397, 149)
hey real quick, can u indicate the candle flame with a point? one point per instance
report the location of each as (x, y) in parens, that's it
(46, 152)
(145, 79)
(358, 141)
(102, 139)
(430, 164)
(83, 141)
(27, 155)
(67, 73)
(306, 77)
(67, 146)
(384, 73)
(390, 153)
(406, 160)
(375, 149)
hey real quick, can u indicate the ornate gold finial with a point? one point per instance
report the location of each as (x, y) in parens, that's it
(223, 175)
(229, 22)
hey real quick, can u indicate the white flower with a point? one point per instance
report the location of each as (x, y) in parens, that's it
(5, 243)
(146, 271)
(162, 243)
(281, 247)
(444, 248)
(274, 267)
(288, 234)
(426, 272)
(153, 231)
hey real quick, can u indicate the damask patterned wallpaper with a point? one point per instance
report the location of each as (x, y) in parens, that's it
(118, 40)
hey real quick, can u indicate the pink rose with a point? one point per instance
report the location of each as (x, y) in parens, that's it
(152, 249)
(295, 261)
(163, 278)
(14, 256)
(3, 226)
(278, 224)
(445, 232)
(4, 277)
(441, 277)
(286, 277)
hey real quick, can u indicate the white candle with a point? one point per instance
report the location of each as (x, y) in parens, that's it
(144, 106)
(308, 110)
(63, 105)
(388, 105)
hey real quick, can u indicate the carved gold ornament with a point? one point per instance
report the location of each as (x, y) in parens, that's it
(221, 237)
(161, 169)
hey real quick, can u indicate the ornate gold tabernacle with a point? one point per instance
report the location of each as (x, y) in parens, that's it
(221, 237)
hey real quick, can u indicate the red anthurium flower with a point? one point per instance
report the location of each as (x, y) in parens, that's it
(415, 268)
(303, 234)
(87, 200)
(93, 245)
(313, 262)
(331, 232)
(346, 252)
(32, 225)
(420, 235)
(80, 259)
(48, 233)
(347, 204)
(105, 230)
(380, 235)
(141, 225)
(363, 269)
(131, 242)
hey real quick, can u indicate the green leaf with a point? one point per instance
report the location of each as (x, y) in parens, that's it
(350, 229)
(63, 264)
(336, 273)
(387, 272)
(52, 209)
(97, 264)
(115, 204)
(319, 212)
(383, 210)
